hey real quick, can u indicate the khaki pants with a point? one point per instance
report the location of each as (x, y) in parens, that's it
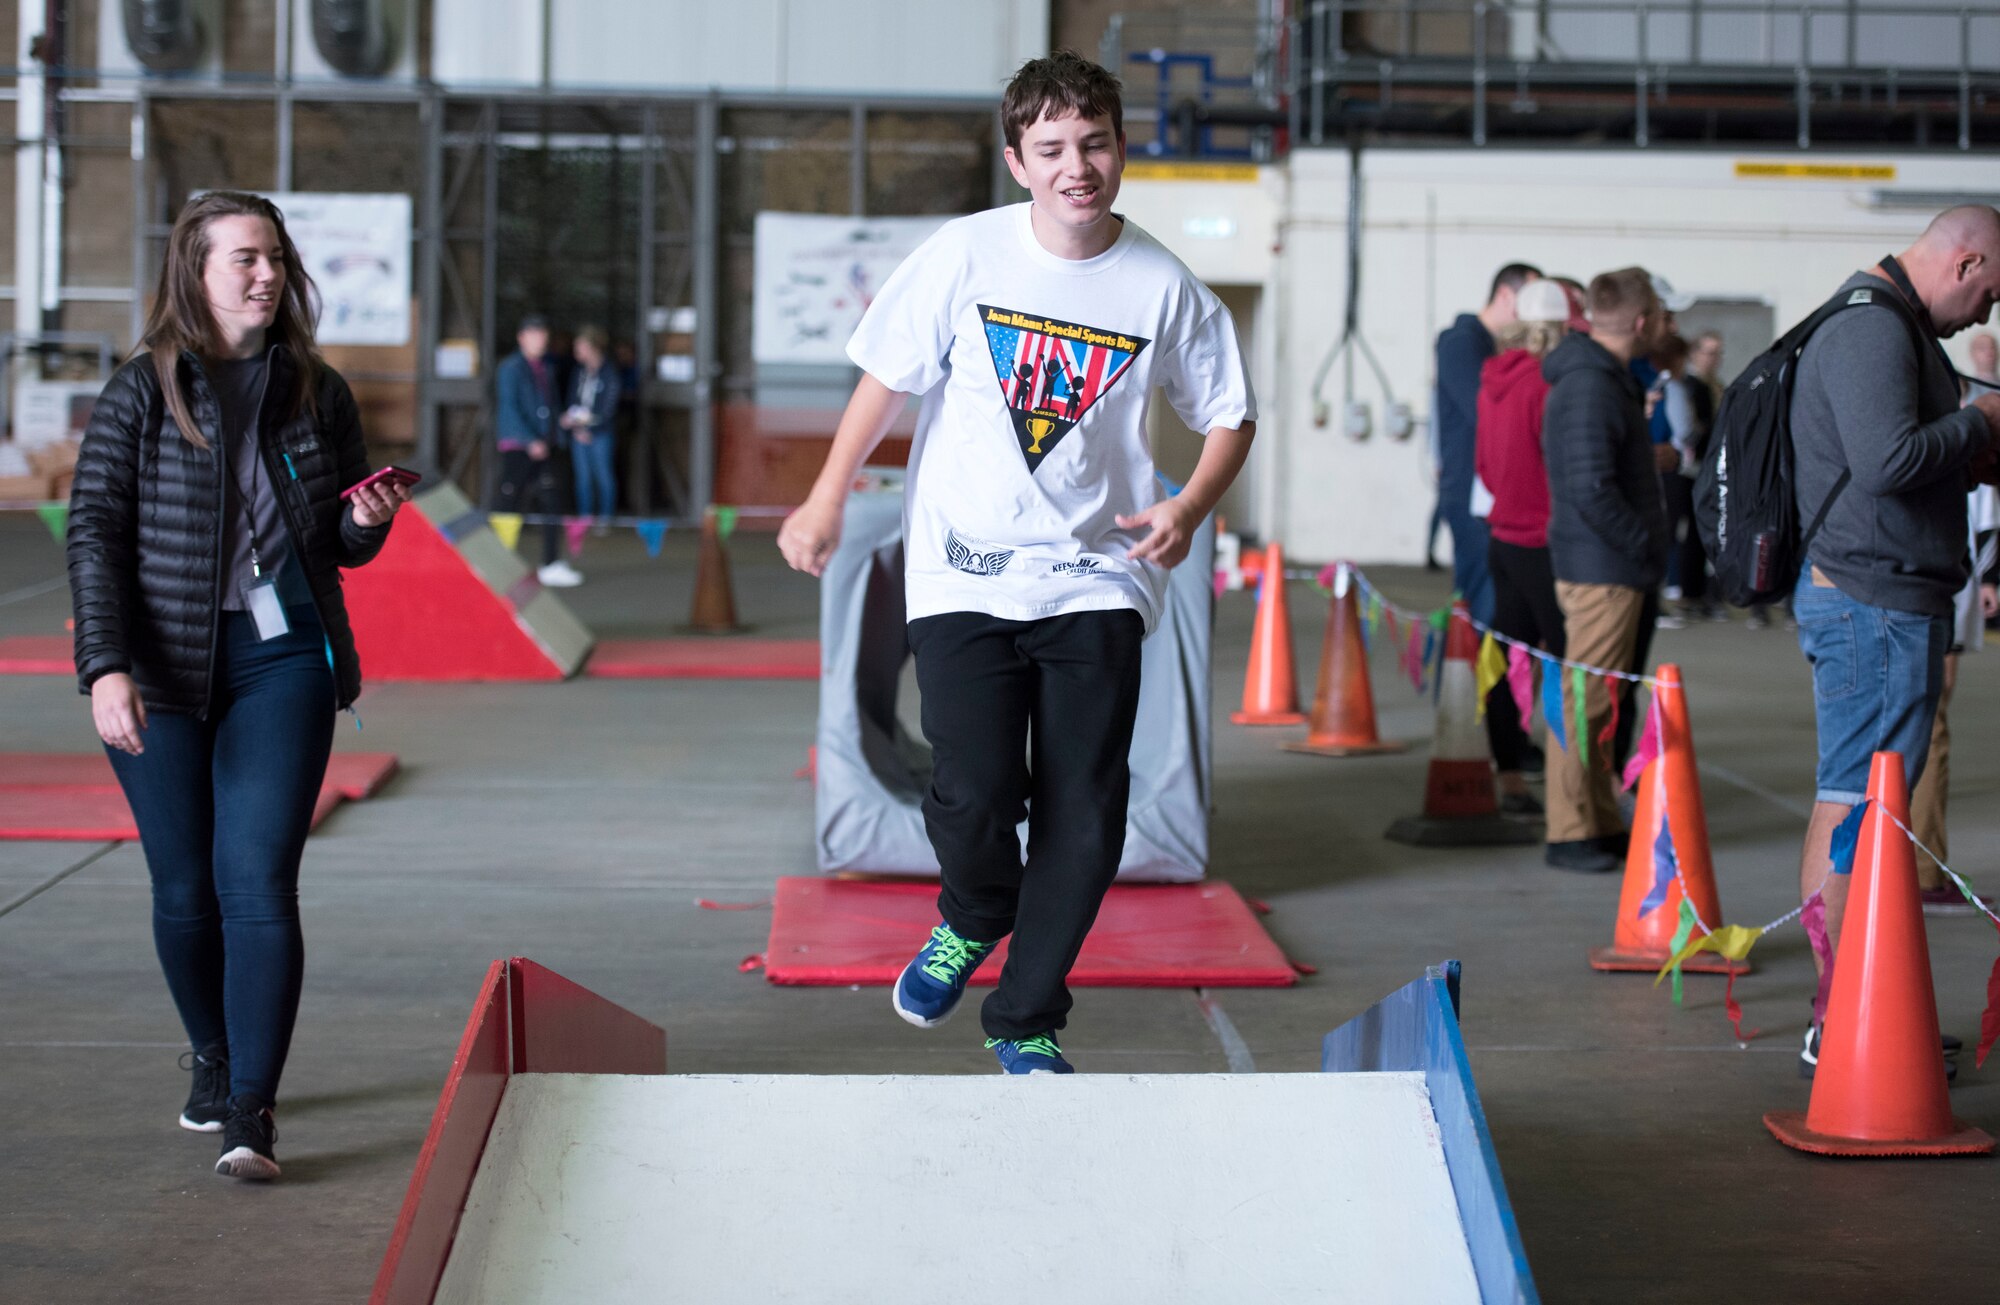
(1601, 628)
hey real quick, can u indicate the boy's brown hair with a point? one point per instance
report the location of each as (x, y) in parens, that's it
(1055, 87)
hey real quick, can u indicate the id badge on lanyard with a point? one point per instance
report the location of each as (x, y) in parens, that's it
(260, 599)
(260, 596)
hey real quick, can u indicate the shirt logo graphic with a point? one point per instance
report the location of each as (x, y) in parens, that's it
(1084, 566)
(973, 562)
(1051, 372)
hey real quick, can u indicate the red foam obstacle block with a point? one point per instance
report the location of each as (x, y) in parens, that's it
(834, 931)
(705, 659)
(354, 775)
(445, 602)
(37, 654)
(74, 796)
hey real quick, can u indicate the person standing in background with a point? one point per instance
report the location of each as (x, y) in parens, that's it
(1512, 396)
(1462, 350)
(1607, 545)
(591, 419)
(527, 437)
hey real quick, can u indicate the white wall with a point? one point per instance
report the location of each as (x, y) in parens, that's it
(1438, 223)
(875, 47)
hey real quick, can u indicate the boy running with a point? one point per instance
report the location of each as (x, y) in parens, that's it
(1036, 535)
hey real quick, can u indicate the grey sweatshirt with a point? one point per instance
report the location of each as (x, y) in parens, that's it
(1868, 400)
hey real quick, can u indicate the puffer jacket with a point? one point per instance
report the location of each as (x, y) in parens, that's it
(146, 555)
(1608, 522)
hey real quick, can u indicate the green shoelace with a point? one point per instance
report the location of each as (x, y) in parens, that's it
(953, 955)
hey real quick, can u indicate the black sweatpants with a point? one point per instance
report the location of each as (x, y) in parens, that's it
(532, 488)
(1524, 608)
(1028, 717)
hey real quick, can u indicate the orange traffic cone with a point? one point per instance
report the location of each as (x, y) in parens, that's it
(714, 609)
(1270, 686)
(1880, 1086)
(1459, 806)
(1669, 790)
(1343, 714)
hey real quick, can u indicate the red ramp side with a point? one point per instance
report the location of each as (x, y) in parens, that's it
(37, 654)
(527, 1019)
(446, 601)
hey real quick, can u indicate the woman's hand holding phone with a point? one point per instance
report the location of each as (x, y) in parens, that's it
(375, 505)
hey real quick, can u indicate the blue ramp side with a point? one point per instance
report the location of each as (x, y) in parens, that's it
(1416, 1028)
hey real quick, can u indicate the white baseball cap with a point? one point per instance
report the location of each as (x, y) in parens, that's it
(1541, 301)
(1670, 299)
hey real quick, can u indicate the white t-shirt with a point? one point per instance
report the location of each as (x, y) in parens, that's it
(1036, 372)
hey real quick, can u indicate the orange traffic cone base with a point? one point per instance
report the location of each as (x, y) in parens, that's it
(1465, 831)
(1619, 960)
(1335, 749)
(1789, 1127)
(1266, 718)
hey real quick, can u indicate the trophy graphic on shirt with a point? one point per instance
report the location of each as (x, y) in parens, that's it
(1052, 373)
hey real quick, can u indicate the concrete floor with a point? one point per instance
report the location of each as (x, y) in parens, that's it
(577, 824)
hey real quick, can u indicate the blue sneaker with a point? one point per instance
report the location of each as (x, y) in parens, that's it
(1036, 1055)
(932, 983)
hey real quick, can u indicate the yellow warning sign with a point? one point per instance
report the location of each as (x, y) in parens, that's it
(1816, 171)
(1150, 171)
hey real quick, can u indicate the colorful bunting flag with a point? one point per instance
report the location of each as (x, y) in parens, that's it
(1674, 945)
(1371, 625)
(1489, 670)
(1845, 835)
(56, 517)
(1607, 737)
(1989, 1019)
(654, 532)
(1813, 917)
(1648, 746)
(725, 526)
(1579, 687)
(507, 525)
(1730, 940)
(1552, 701)
(575, 529)
(1666, 867)
(1415, 654)
(1521, 679)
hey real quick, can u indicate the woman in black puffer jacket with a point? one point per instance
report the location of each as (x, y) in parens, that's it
(207, 529)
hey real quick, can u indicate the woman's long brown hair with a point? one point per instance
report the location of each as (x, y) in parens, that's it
(180, 319)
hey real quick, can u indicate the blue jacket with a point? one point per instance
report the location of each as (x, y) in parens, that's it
(603, 404)
(1462, 349)
(523, 411)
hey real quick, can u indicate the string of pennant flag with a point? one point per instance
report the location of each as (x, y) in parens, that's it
(1418, 638)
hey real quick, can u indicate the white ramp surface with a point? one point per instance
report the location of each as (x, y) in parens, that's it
(885, 1191)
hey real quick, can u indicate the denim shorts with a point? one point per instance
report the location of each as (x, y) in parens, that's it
(1877, 675)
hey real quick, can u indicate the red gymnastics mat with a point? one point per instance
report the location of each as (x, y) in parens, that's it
(37, 654)
(717, 658)
(75, 796)
(839, 931)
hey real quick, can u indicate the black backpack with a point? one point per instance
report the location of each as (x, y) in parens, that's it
(1744, 504)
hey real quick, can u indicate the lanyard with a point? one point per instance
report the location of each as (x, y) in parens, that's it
(249, 496)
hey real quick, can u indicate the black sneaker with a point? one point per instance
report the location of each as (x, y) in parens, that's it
(1587, 856)
(1809, 1054)
(1520, 804)
(208, 1097)
(247, 1138)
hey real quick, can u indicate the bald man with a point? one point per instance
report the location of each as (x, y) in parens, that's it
(1883, 447)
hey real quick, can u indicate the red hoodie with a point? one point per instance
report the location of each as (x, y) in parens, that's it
(1512, 395)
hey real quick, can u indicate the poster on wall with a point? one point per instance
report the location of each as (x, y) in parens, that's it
(357, 250)
(816, 275)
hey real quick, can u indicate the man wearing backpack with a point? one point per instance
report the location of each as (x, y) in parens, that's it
(1882, 457)
(1607, 546)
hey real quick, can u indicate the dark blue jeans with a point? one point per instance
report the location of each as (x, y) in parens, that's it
(223, 806)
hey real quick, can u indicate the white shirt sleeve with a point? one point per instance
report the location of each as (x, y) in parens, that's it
(904, 339)
(1205, 378)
